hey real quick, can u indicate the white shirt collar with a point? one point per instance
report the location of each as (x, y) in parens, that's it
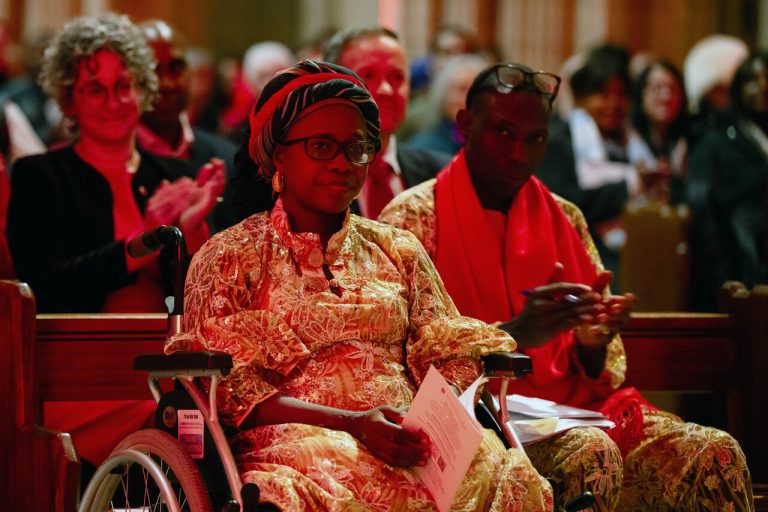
(390, 156)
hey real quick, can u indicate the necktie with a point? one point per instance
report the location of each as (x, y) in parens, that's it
(378, 188)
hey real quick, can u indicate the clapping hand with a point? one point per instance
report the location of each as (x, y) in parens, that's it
(617, 309)
(168, 202)
(209, 185)
(186, 203)
(553, 308)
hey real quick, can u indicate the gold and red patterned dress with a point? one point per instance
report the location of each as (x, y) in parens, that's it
(673, 466)
(360, 340)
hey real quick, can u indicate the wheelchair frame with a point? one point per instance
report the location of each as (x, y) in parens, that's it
(185, 369)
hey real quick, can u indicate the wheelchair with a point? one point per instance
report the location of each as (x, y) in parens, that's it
(162, 468)
(185, 462)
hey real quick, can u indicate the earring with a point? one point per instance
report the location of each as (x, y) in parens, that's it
(278, 182)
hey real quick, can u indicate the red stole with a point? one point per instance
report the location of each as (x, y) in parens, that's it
(485, 286)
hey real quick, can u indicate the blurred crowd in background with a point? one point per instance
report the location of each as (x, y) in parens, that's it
(668, 165)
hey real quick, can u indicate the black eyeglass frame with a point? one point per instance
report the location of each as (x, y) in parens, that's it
(340, 146)
(529, 77)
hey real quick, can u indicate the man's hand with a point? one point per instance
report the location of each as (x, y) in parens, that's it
(609, 323)
(553, 308)
(380, 431)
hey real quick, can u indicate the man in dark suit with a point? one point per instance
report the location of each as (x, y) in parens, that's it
(166, 131)
(377, 56)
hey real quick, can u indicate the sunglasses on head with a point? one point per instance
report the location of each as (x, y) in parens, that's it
(513, 77)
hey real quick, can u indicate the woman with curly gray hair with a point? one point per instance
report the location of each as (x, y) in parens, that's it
(73, 210)
(84, 37)
(101, 72)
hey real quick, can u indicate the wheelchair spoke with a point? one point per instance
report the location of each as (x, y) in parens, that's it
(168, 472)
(145, 475)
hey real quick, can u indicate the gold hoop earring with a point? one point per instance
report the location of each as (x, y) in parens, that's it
(278, 182)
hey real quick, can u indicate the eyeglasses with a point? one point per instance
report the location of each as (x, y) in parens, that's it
(512, 76)
(322, 148)
(95, 94)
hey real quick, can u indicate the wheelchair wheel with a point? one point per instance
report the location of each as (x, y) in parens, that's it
(147, 471)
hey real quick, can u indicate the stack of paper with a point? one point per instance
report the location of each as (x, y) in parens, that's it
(534, 419)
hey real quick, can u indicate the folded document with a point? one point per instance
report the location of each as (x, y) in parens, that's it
(535, 419)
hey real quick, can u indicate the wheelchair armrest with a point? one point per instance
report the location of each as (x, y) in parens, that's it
(184, 362)
(507, 364)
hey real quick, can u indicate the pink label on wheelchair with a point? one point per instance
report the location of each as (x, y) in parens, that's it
(191, 430)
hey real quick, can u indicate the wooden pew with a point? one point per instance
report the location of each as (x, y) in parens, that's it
(749, 310)
(82, 357)
(666, 352)
(687, 356)
(39, 468)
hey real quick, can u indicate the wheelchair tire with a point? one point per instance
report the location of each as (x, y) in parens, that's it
(129, 481)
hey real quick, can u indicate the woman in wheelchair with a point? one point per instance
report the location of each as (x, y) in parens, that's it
(332, 320)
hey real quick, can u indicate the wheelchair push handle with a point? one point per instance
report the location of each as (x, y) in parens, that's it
(154, 239)
(172, 238)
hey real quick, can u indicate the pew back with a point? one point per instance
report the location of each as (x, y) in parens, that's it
(84, 357)
(39, 469)
(749, 309)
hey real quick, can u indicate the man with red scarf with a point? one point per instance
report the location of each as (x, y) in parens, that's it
(511, 252)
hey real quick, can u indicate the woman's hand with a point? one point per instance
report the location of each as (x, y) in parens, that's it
(209, 185)
(381, 432)
(378, 429)
(655, 182)
(186, 203)
(168, 202)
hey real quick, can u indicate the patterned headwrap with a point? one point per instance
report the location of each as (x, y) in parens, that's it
(293, 90)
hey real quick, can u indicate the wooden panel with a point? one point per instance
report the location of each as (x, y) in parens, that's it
(42, 16)
(98, 351)
(486, 23)
(568, 31)
(678, 352)
(646, 26)
(657, 245)
(688, 354)
(14, 19)
(46, 472)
